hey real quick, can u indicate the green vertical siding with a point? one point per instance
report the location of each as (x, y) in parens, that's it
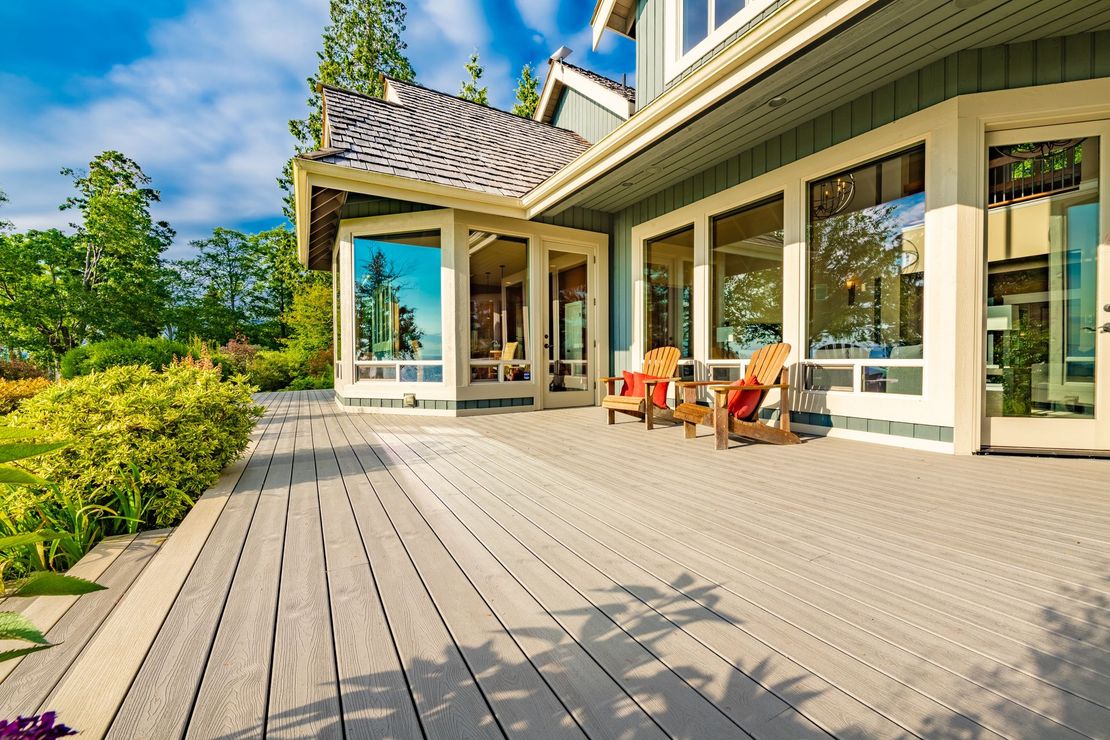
(584, 116)
(649, 50)
(1079, 57)
(362, 208)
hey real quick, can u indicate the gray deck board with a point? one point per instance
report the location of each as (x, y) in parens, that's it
(543, 574)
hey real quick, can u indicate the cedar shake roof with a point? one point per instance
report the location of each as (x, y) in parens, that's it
(433, 137)
(625, 91)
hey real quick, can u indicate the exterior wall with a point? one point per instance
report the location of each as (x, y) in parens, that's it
(649, 51)
(1061, 59)
(584, 116)
(380, 207)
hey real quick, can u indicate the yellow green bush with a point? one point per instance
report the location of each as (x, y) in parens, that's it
(12, 392)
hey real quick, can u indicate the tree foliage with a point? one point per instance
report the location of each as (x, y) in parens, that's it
(472, 89)
(105, 280)
(360, 44)
(527, 93)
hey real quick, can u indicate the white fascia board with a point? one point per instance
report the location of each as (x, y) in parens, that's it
(603, 11)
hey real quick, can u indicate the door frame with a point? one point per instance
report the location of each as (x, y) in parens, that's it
(595, 308)
(1032, 433)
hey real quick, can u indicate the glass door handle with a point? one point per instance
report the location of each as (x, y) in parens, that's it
(1104, 329)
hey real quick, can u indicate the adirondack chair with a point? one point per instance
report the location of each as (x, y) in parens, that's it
(768, 363)
(661, 364)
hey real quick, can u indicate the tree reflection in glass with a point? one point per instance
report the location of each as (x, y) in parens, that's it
(397, 298)
(866, 260)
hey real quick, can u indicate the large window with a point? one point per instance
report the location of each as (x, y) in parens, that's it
(867, 269)
(701, 17)
(746, 280)
(498, 308)
(669, 292)
(398, 308)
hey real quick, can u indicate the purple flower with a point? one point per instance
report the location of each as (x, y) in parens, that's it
(40, 727)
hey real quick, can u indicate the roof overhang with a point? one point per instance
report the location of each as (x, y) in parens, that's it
(560, 76)
(317, 205)
(614, 15)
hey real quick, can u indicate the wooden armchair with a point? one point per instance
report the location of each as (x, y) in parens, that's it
(660, 363)
(767, 363)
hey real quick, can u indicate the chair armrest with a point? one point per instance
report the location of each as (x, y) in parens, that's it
(606, 380)
(657, 381)
(697, 383)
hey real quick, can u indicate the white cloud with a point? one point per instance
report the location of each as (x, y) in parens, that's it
(204, 114)
(540, 15)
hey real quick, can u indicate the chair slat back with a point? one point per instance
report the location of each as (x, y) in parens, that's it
(766, 366)
(661, 362)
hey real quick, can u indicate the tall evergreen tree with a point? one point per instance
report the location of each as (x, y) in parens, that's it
(527, 93)
(471, 89)
(360, 44)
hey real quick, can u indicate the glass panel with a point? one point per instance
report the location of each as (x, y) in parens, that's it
(1042, 261)
(337, 303)
(376, 372)
(398, 314)
(568, 322)
(421, 373)
(820, 378)
(498, 296)
(867, 259)
(695, 23)
(746, 275)
(669, 296)
(725, 9)
(685, 370)
(726, 373)
(905, 381)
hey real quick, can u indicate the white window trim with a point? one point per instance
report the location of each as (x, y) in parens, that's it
(471, 362)
(675, 62)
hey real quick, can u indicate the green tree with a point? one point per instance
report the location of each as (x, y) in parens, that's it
(471, 89)
(282, 276)
(40, 293)
(219, 290)
(122, 276)
(310, 320)
(527, 93)
(360, 44)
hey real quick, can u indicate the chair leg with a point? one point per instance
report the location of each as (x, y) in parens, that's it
(720, 428)
(649, 418)
(612, 416)
(689, 430)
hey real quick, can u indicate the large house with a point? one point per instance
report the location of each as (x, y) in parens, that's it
(906, 191)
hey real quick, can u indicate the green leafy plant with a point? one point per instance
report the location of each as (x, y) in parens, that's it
(12, 392)
(156, 353)
(166, 434)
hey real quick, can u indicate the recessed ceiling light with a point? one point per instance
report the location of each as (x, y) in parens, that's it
(626, 184)
(777, 101)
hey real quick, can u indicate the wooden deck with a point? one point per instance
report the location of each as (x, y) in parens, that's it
(543, 575)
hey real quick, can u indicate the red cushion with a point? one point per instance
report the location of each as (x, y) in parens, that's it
(629, 382)
(637, 385)
(659, 395)
(742, 404)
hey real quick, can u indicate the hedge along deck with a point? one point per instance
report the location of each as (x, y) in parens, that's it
(372, 575)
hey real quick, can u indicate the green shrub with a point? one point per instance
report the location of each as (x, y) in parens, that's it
(274, 370)
(323, 381)
(175, 430)
(152, 352)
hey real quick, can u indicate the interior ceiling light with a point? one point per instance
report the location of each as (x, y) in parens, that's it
(777, 101)
(626, 184)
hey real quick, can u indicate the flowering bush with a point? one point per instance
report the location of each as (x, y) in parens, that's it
(20, 370)
(41, 727)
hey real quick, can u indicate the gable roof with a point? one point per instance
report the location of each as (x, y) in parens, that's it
(615, 15)
(434, 137)
(610, 94)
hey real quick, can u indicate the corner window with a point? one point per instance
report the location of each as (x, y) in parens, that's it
(498, 308)
(669, 293)
(746, 280)
(867, 269)
(398, 308)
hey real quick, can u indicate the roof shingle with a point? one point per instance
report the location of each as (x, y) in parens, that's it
(434, 137)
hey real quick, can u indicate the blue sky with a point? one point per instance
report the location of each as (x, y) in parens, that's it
(199, 91)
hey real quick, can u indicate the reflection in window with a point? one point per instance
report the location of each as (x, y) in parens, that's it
(867, 260)
(498, 307)
(699, 17)
(337, 307)
(669, 297)
(1042, 275)
(746, 275)
(398, 314)
(568, 340)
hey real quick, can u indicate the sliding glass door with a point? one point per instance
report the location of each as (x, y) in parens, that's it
(1047, 342)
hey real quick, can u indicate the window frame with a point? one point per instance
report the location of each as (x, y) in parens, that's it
(444, 362)
(470, 362)
(675, 61)
(684, 361)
